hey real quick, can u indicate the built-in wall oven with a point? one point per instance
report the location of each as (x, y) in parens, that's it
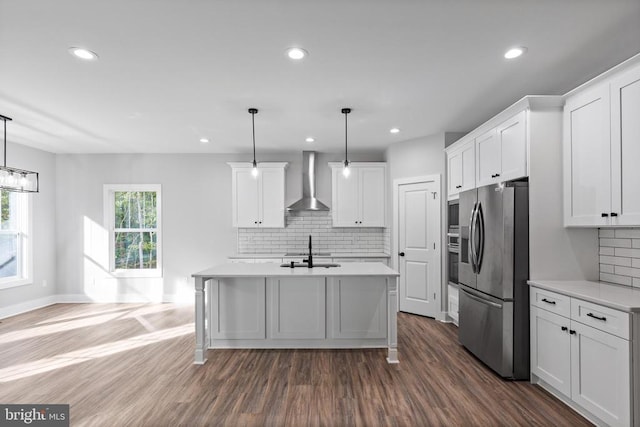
(453, 242)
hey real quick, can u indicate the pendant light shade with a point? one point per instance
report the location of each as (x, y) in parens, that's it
(13, 179)
(253, 112)
(346, 171)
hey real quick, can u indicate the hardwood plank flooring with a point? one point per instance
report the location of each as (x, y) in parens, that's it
(131, 365)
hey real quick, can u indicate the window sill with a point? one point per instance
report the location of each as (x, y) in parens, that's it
(136, 274)
(14, 283)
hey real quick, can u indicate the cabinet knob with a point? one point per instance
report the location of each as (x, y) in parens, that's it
(564, 328)
(604, 215)
(401, 253)
(259, 222)
(614, 214)
(572, 332)
(255, 222)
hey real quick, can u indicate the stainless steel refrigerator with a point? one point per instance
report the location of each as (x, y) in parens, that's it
(493, 269)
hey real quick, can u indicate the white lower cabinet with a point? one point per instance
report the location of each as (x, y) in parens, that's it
(453, 303)
(289, 312)
(590, 365)
(359, 307)
(242, 315)
(298, 307)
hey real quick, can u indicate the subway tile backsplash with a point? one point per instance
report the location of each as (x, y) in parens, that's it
(620, 256)
(295, 236)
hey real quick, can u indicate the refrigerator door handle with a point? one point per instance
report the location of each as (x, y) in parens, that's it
(472, 234)
(480, 221)
(482, 300)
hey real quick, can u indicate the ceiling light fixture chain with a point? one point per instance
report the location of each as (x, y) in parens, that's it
(346, 170)
(253, 112)
(4, 119)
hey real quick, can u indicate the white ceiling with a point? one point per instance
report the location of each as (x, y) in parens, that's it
(171, 72)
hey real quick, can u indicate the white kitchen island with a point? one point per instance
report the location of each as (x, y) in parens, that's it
(268, 306)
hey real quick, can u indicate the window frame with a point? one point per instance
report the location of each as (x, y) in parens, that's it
(109, 223)
(25, 245)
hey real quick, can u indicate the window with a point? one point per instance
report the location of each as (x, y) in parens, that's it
(15, 245)
(132, 214)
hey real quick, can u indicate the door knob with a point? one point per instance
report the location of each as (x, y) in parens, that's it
(401, 253)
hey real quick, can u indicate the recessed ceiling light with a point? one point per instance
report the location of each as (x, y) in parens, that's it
(204, 140)
(296, 53)
(515, 52)
(309, 139)
(82, 53)
(394, 130)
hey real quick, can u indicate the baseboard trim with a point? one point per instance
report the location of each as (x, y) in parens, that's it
(26, 306)
(35, 304)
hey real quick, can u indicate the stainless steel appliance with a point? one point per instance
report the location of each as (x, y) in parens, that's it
(453, 255)
(453, 242)
(493, 269)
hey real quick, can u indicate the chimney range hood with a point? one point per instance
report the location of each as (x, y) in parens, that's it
(308, 202)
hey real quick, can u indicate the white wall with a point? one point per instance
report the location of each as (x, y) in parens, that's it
(196, 217)
(21, 298)
(556, 253)
(420, 157)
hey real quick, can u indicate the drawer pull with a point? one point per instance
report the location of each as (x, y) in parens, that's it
(564, 328)
(604, 319)
(548, 302)
(572, 332)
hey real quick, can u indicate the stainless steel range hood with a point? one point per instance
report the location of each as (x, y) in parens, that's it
(308, 201)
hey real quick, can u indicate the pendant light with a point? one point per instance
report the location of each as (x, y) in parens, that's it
(13, 179)
(253, 112)
(346, 171)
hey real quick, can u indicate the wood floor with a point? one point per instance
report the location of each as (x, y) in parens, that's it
(131, 365)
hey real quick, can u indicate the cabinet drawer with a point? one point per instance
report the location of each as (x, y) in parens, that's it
(603, 318)
(551, 301)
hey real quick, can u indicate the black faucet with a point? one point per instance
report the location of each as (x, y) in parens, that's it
(309, 260)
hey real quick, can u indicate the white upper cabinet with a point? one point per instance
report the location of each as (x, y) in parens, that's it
(502, 152)
(498, 150)
(461, 168)
(359, 199)
(258, 201)
(625, 147)
(601, 148)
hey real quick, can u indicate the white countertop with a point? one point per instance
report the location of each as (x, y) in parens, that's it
(619, 297)
(332, 255)
(274, 270)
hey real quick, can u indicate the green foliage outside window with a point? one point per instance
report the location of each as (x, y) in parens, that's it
(135, 230)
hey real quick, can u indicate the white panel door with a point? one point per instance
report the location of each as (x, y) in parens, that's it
(238, 308)
(600, 377)
(551, 349)
(271, 197)
(345, 209)
(419, 247)
(372, 193)
(297, 308)
(246, 199)
(513, 143)
(625, 148)
(488, 162)
(587, 158)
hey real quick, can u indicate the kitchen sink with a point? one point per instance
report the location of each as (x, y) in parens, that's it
(304, 264)
(320, 254)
